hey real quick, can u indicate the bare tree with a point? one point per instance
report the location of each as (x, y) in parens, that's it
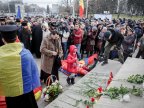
(66, 6)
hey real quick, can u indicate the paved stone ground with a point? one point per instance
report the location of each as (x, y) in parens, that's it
(132, 66)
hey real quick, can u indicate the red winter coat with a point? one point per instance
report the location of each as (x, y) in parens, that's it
(78, 35)
(72, 60)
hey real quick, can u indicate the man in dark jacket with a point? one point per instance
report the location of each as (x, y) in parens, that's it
(128, 44)
(36, 39)
(24, 34)
(84, 40)
(114, 38)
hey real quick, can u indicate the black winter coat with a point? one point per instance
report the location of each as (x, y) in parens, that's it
(117, 38)
(36, 39)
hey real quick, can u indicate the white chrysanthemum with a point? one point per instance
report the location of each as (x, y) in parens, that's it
(44, 90)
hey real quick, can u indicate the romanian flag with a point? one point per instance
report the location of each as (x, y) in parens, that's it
(18, 71)
(81, 8)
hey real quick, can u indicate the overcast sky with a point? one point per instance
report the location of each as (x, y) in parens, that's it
(42, 3)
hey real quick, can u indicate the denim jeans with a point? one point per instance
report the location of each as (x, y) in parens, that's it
(78, 48)
(64, 44)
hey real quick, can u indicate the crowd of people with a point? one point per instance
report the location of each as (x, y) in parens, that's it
(51, 38)
(88, 35)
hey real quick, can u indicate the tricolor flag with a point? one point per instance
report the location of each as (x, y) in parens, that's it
(18, 71)
(81, 8)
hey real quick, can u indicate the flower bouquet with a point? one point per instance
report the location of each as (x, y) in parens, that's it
(52, 90)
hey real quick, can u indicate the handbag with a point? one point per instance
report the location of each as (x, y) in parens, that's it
(57, 64)
(58, 61)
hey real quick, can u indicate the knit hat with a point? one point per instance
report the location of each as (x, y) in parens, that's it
(94, 28)
(107, 35)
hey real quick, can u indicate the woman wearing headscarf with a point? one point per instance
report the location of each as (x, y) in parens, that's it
(91, 41)
(45, 29)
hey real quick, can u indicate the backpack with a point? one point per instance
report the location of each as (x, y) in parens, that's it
(113, 54)
(139, 32)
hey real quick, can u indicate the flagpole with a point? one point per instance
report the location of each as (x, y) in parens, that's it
(8, 6)
(73, 8)
(87, 9)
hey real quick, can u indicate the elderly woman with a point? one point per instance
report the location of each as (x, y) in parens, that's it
(51, 52)
(91, 41)
(45, 29)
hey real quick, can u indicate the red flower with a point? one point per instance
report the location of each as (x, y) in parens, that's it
(92, 99)
(109, 81)
(100, 89)
(111, 75)
(87, 106)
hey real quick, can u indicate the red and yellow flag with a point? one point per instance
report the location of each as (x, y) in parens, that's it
(81, 8)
